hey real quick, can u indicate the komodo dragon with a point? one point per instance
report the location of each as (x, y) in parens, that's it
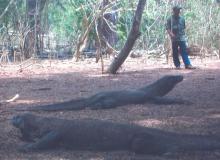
(96, 135)
(152, 93)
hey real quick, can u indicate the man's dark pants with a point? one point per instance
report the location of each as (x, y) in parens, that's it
(182, 46)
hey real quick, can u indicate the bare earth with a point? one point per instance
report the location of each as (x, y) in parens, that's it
(45, 82)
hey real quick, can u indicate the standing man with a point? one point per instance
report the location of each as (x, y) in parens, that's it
(176, 29)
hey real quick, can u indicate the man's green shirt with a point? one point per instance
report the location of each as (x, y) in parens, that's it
(177, 26)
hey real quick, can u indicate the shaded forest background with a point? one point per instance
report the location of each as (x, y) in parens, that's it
(55, 28)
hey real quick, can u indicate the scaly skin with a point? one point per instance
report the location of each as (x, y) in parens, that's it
(97, 135)
(152, 93)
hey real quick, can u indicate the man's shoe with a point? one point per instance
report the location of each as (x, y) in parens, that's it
(190, 67)
(177, 67)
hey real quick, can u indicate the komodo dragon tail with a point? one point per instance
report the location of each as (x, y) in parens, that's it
(77, 104)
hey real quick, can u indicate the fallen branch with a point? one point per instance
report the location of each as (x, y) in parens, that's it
(9, 100)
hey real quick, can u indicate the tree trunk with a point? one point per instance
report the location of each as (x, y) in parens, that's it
(34, 17)
(108, 31)
(133, 35)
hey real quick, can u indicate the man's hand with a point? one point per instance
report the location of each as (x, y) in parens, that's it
(171, 34)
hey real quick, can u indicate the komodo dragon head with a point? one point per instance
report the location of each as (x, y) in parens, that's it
(26, 124)
(162, 86)
(167, 83)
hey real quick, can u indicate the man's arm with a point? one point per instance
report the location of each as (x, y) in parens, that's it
(170, 33)
(184, 23)
(169, 28)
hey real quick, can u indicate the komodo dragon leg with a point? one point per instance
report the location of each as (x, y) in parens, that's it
(46, 142)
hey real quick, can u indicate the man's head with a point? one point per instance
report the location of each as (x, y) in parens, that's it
(176, 10)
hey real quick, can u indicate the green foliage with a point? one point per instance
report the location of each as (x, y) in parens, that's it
(64, 19)
(3, 5)
(15, 12)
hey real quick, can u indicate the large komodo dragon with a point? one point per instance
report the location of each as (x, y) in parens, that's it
(97, 135)
(152, 93)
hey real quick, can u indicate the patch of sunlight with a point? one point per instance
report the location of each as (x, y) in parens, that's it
(149, 122)
(59, 159)
(98, 75)
(214, 116)
(102, 75)
(23, 101)
(97, 158)
(114, 79)
(27, 101)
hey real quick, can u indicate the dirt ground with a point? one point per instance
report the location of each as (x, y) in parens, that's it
(55, 81)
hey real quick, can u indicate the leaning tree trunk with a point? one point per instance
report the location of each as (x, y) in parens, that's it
(133, 35)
